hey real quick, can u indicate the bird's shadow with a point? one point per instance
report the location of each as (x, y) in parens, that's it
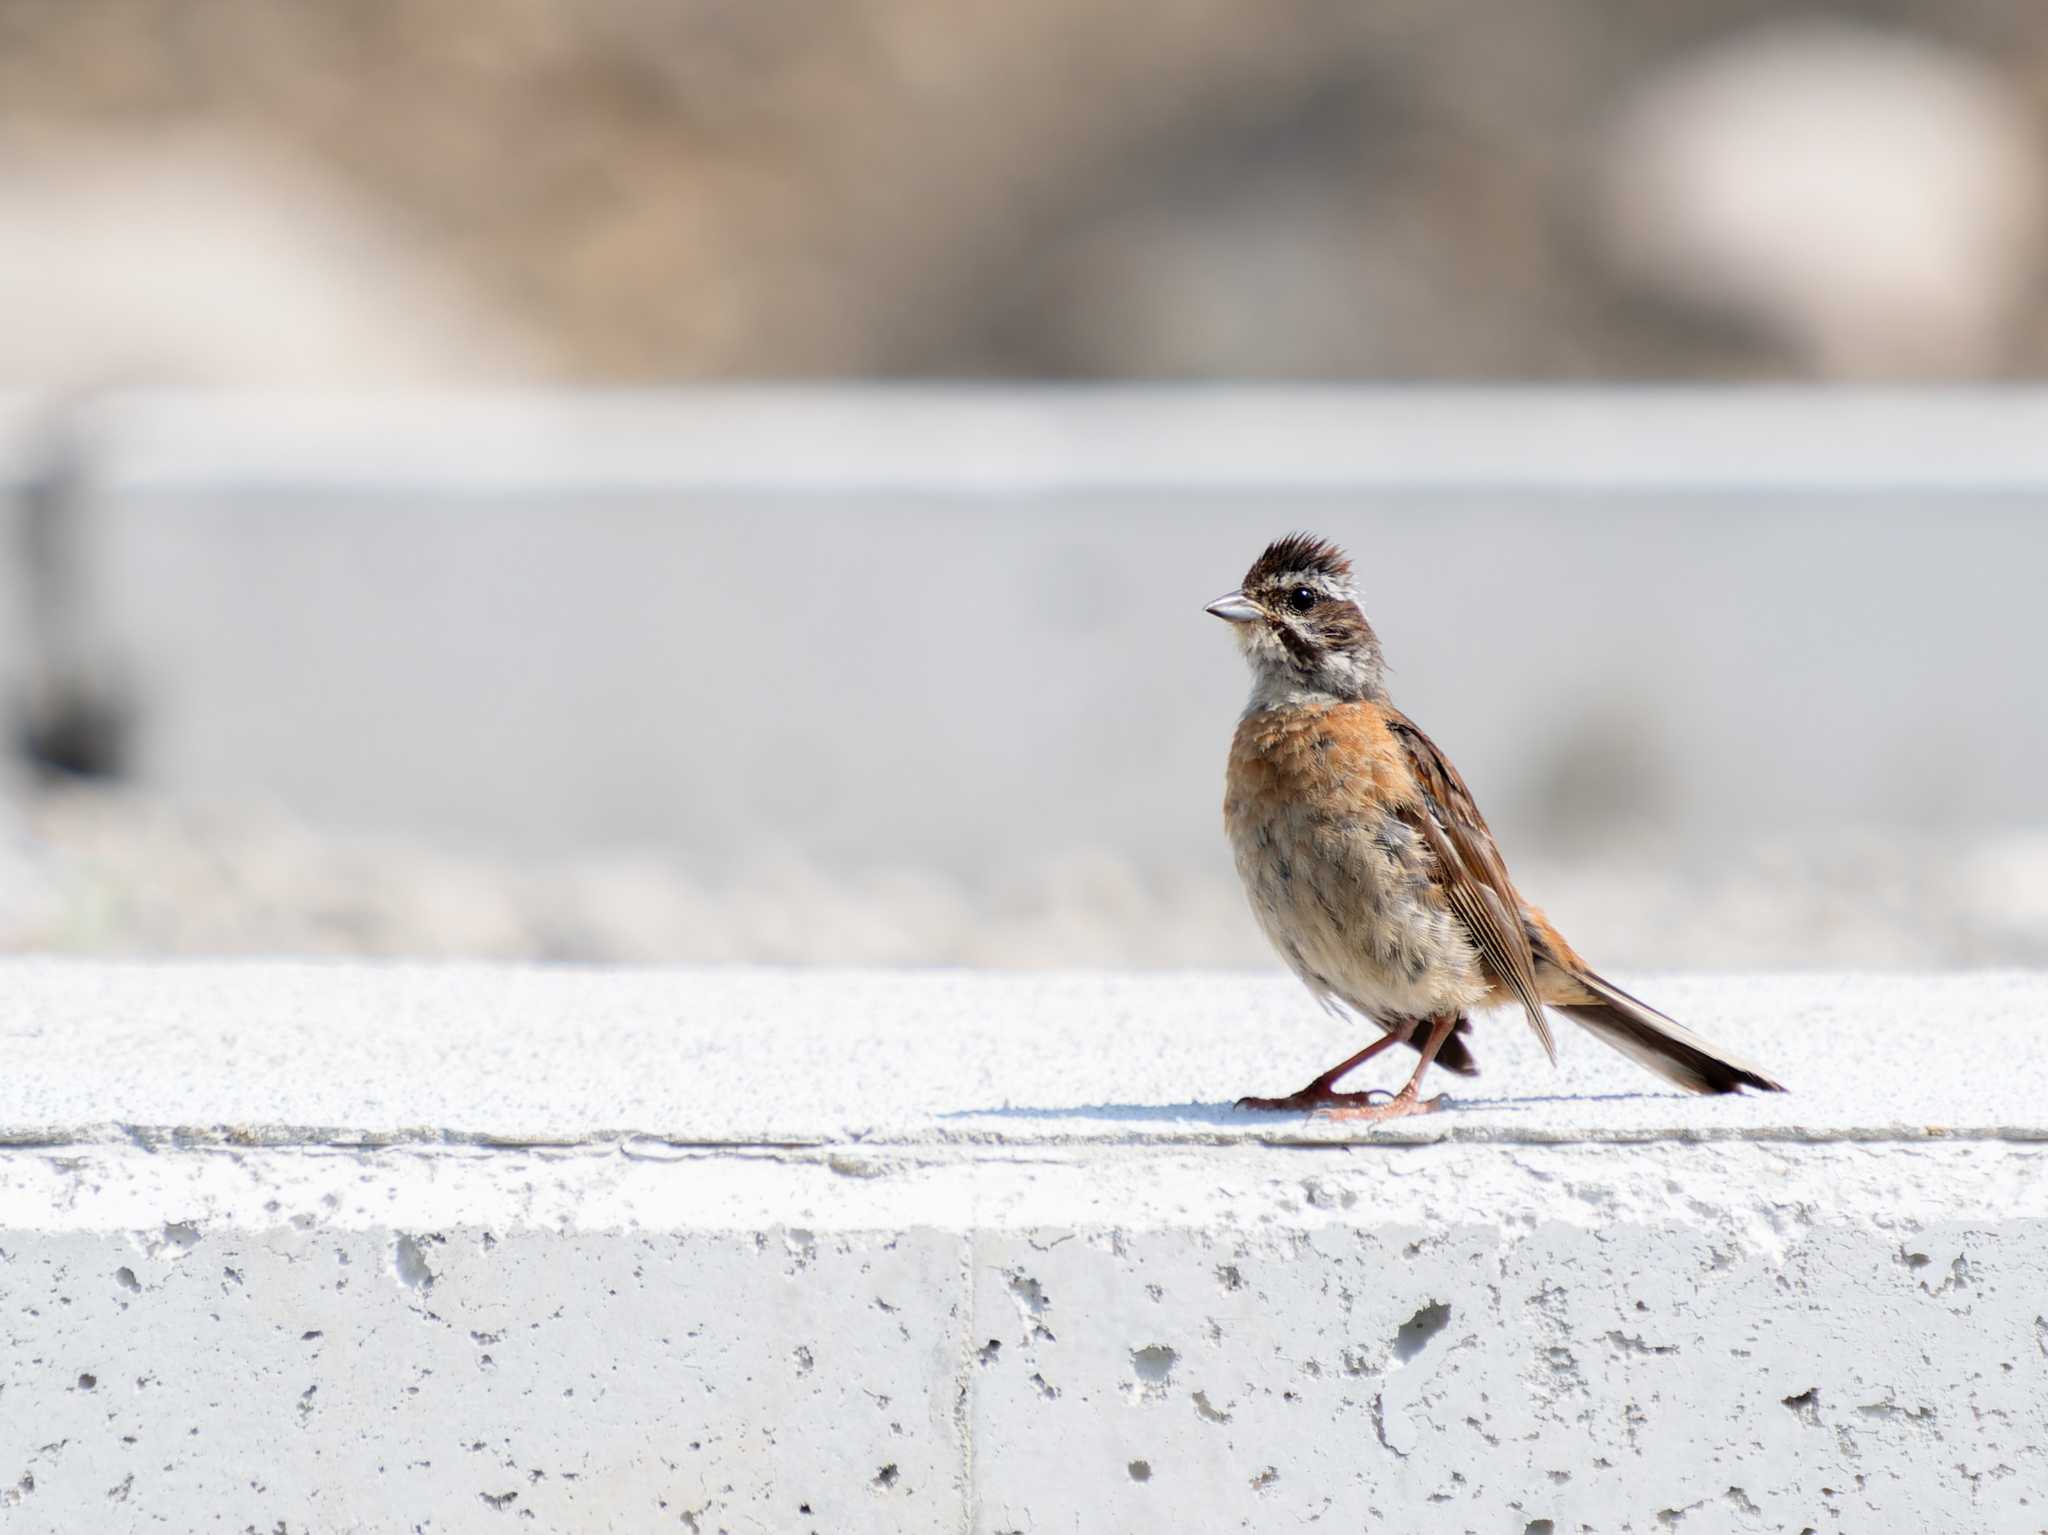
(1231, 1114)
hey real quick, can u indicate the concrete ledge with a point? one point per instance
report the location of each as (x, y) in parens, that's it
(335, 1248)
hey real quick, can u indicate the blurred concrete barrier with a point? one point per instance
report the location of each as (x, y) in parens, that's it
(332, 1247)
(947, 644)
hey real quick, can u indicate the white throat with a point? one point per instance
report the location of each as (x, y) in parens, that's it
(1277, 683)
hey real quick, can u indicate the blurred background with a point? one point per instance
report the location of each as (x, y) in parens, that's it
(626, 482)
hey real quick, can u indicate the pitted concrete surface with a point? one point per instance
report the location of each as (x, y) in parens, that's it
(338, 1248)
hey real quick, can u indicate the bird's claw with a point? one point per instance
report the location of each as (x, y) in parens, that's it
(1398, 1106)
(1315, 1101)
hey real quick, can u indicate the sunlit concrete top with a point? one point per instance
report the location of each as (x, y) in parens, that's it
(958, 1064)
(936, 1251)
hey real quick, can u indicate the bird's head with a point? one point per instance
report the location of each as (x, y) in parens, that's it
(1298, 624)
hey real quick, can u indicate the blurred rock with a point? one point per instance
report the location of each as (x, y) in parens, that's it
(626, 190)
(1868, 198)
(204, 258)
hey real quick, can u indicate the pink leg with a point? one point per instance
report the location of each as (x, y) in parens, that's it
(1321, 1093)
(1408, 1100)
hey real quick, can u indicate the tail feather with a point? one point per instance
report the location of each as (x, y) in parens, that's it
(1455, 1055)
(1662, 1044)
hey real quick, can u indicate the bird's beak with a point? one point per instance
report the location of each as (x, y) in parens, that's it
(1235, 608)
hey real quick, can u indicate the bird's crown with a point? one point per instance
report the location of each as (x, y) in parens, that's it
(1300, 557)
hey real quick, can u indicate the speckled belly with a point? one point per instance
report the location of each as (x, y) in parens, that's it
(1349, 905)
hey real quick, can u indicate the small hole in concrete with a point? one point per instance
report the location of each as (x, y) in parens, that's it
(411, 1264)
(1141, 1470)
(1415, 1333)
(125, 1278)
(87, 1382)
(1539, 1527)
(990, 1351)
(803, 1508)
(1805, 1406)
(886, 1477)
(1154, 1364)
(1030, 1295)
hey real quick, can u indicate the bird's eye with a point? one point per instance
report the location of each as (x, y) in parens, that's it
(1301, 599)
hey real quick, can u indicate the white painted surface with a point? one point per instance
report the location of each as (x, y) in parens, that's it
(443, 1248)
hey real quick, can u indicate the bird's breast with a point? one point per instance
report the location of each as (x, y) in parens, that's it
(1316, 809)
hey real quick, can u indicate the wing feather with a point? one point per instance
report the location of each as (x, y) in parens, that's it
(1471, 873)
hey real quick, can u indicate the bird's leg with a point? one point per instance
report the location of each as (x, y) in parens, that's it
(1321, 1093)
(1409, 1099)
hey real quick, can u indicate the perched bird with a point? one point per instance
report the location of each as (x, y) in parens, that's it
(1371, 869)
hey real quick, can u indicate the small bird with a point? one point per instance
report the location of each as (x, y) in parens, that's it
(1371, 869)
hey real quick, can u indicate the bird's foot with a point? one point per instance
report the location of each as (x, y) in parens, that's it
(1400, 1106)
(1317, 1098)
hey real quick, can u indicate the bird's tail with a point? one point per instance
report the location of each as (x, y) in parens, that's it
(1664, 1045)
(1455, 1055)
